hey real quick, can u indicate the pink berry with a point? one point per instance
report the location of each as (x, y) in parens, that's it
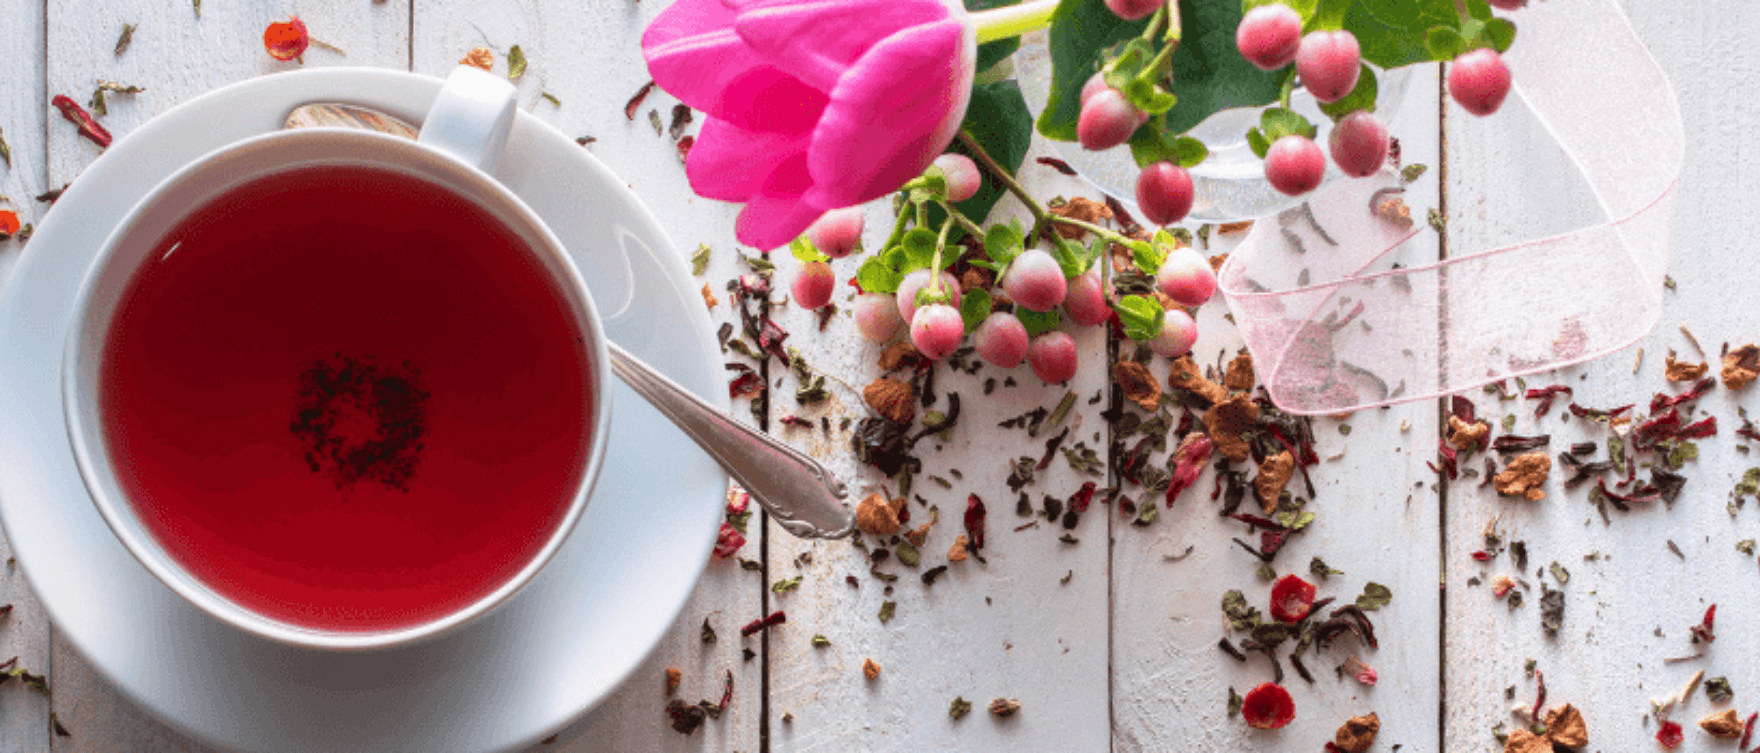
(1096, 84)
(963, 179)
(1164, 192)
(837, 233)
(1178, 334)
(1134, 10)
(1329, 63)
(936, 330)
(1085, 302)
(1294, 165)
(1035, 281)
(877, 316)
(1479, 81)
(1053, 357)
(1107, 120)
(1186, 277)
(1269, 36)
(813, 285)
(1002, 340)
(1359, 144)
(914, 283)
(1509, 4)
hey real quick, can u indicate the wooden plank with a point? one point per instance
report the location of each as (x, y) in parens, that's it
(176, 54)
(24, 715)
(1010, 628)
(584, 55)
(1629, 608)
(1376, 520)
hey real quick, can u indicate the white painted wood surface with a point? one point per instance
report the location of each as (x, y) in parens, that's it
(1122, 656)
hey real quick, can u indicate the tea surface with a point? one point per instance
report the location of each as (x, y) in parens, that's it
(346, 399)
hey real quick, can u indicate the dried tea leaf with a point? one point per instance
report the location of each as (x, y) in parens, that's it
(1004, 707)
(1718, 690)
(1726, 724)
(820, 641)
(1185, 375)
(1560, 574)
(1225, 422)
(1320, 569)
(516, 62)
(893, 398)
(786, 584)
(125, 39)
(5, 150)
(1523, 741)
(1138, 385)
(887, 609)
(1551, 610)
(700, 260)
(1239, 376)
(1234, 702)
(1374, 596)
(959, 708)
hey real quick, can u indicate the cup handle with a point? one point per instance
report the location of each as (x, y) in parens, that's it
(471, 118)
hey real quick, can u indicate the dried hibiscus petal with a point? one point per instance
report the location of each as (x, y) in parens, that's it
(1364, 673)
(975, 522)
(286, 40)
(1268, 707)
(78, 116)
(1189, 460)
(1291, 598)
(1670, 735)
(1702, 631)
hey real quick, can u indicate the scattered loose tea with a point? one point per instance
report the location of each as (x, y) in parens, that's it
(1740, 366)
(125, 39)
(959, 708)
(634, 104)
(1004, 707)
(1374, 596)
(776, 618)
(673, 678)
(1718, 690)
(887, 609)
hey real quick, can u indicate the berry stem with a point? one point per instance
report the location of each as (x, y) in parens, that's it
(1163, 61)
(940, 245)
(904, 216)
(1154, 26)
(1095, 229)
(1041, 218)
(965, 224)
(1012, 21)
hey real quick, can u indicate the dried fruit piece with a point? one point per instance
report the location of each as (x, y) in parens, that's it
(1291, 598)
(892, 398)
(1138, 384)
(877, 516)
(1274, 474)
(479, 57)
(1185, 376)
(900, 355)
(1240, 377)
(1525, 476)
(1681, 371)
(1564, 726)
(286, 40)
(1467, 437)
(1268, 707)
(1725, 724)
(673, 678)
(1523, 741)
(1005, 707)
(1225, 421)
(957, 552)
(1740, 366)
(1357, 734)
(870, 669)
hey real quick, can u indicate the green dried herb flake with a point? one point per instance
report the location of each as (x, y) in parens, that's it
(1321, 570)
(820, 641)
(125, 38)
(1235, 701)
(746, 564)
(1374, 596)
(785, 585)
(708, 631)
(516, 62)
(551, 98)
(887, 609)
(960, 706)
(1718, 690)
(1745, 546)
(5, 150)
(907, 553)
(1560, 574)
(700, 260)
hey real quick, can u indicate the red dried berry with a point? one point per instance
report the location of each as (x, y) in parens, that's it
(8, 223)
(1291, 598)
(1268, 707)
(1670, 735)
(286, 40)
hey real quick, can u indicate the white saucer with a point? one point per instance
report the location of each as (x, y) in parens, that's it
(559, 647)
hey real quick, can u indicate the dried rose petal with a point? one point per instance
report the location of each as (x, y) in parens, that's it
(975, 521)
(738, 499)
(728, 541)
(1268, 707)
(286, 40)
(1189, 461)
(1670, 735)
(1364, 673)
(87, 125)
(1291, 599)
(1703, 631)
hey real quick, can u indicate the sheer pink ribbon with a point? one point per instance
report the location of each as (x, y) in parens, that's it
(1342, 337)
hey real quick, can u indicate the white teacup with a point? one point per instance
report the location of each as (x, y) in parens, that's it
(461, 140)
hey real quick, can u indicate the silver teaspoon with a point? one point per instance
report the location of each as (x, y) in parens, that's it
(796, 490)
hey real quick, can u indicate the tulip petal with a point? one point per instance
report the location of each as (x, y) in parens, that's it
(776, 214)
(727, 161)
(817, 41)
(695, 55)
(892, 113)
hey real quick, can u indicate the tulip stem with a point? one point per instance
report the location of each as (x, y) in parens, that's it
(1012, 21)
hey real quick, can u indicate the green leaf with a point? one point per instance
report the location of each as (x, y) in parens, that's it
(998, 118)
(1479, 10)
(1141, 316)
(1080, 31)
(803, 249)
(1145, 95)
(785, 585)
(991, 53)
(1127, 60)
(1036, 322)
(875, 276)
(1257, 142)
(1189, 152)
(1328, 15)
(1147, 256)
(1209, 74)
(960, 706)
(1070, 256)
(1374, 596)
(886, 610)
(1361, 98)
(1391, 33)
(516, 62)
(1501, 33)
(907, 553)
(973, 309)
(1443, 42)
(1278, 122)
(820, 641)
(919, 249)
(1003, 242)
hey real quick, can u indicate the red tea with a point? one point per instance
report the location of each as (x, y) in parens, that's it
(346, 399)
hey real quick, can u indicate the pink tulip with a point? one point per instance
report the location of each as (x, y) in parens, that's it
(812, 105)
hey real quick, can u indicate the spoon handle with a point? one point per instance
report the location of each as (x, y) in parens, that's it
(792, 487)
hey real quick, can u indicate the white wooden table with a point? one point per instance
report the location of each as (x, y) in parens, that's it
(1106, 643)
